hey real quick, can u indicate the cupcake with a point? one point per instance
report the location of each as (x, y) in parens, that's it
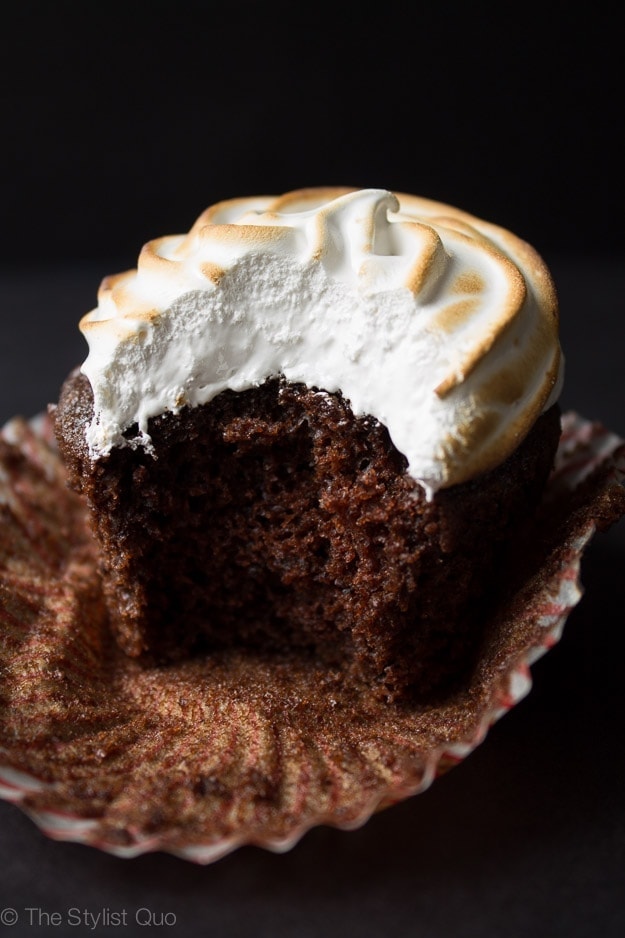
(315, 426)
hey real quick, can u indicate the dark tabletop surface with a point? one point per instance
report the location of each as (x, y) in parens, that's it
(525, 837)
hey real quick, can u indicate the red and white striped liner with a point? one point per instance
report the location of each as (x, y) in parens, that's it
(584, 447)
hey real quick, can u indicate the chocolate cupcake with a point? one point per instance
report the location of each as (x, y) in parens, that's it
(316, 426)
(311, 544)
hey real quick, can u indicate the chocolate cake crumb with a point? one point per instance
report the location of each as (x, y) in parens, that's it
(274, 519)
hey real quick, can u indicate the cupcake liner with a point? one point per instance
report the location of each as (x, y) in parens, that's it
(201, 757)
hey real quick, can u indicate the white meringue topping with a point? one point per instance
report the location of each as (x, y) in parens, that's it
(438, 324)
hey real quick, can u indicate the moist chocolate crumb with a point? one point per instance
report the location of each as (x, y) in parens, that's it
(274, 519)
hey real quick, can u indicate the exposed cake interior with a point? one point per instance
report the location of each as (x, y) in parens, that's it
(276, 519)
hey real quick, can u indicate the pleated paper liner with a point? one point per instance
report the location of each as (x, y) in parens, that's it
(199, 758)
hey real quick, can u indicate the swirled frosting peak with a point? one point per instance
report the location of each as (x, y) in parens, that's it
(438, 324)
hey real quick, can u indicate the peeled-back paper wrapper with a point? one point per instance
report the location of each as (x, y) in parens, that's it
(235, 748)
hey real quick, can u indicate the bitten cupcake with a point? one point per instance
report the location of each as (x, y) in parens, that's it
(312, 426)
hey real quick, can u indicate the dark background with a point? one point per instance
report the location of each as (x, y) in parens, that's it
(121, 122)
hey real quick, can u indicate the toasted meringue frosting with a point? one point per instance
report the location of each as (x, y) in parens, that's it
(440, 325)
